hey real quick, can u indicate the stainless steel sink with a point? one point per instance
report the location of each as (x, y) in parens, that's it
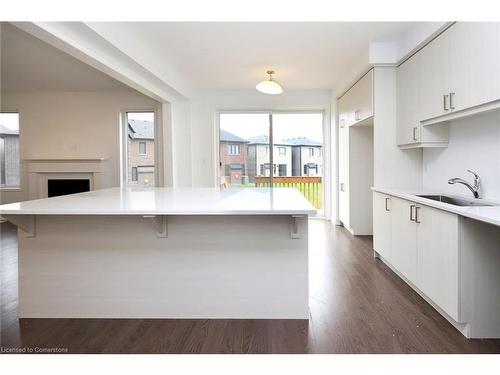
(455, 200)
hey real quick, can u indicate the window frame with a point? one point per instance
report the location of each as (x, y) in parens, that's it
(18, 186)
(145, 148)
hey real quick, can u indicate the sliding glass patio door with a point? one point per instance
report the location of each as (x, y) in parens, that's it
(273, 149)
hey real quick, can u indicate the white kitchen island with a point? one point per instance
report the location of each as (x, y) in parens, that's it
(164, 253)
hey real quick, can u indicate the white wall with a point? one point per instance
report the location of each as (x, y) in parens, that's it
(474, 143)
(203, 120)
(71, 125)
(181, 143)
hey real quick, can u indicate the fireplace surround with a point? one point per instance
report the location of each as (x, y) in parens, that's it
(42, 170)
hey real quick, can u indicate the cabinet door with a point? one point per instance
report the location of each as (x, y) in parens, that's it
(408, 124)
(346, 111)
(483, 55)
(438, 257)
(404, 238)
(362, 96)
(382, 225)
(457, 39)
(343, 111)
(433, 78)
(344, 174)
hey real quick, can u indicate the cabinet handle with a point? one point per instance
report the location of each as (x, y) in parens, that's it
(445, 106)
(357, 116)
(387, 200)
(412, 206)
(451, 101)
(416, 215)
(415, 138)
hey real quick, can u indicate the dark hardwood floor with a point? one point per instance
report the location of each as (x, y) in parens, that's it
(357, 305)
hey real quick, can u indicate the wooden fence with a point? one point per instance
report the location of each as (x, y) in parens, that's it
(310, 187)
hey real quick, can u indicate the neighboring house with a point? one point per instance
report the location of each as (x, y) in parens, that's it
(233, 158)
(141, 152)
(307, 157)
(258, 158)
(9, 157)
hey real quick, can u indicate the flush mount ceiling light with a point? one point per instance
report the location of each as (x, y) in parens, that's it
(270, 86)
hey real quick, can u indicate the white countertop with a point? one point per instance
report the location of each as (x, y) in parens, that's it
(169, 201)
(487, 214)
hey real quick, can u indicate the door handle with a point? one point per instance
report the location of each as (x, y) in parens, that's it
(445, 106)
(341, 186)
(412, 206)
(415, 138)
(452, 107)
(416, 215)
(387, 200)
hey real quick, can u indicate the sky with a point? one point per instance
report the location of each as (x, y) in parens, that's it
(285, 125)
(148, 116)
(10, 120)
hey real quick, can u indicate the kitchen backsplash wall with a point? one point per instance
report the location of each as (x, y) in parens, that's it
(474, 143)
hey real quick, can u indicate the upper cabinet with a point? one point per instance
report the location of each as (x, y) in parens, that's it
(356, 105)
(456, 74)
(479, 65)
(408, 101)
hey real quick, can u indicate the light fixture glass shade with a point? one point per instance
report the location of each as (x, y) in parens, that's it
(269, 86)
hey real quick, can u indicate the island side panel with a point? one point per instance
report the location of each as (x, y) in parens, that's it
(207, 267)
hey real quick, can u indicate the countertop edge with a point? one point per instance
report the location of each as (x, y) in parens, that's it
(152, 213)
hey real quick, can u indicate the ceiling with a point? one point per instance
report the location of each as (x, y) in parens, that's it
(236, 55)
(204, 55)
(28, 64)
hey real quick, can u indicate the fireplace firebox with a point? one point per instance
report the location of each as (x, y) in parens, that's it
(57, 187)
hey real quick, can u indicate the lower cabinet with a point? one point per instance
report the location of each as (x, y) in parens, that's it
(422, 244)
(451, 260)
(404, 238)
(437, 257)
(382, 225)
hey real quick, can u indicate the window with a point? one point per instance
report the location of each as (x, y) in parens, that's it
(9, 150)
(296, 152)
(234, 149)
(243, 144)
(282, 170)
(139, 149)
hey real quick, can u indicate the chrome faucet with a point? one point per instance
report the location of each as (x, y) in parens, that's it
(474, 188)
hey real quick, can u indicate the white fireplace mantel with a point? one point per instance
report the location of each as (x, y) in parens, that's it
(42, 169)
